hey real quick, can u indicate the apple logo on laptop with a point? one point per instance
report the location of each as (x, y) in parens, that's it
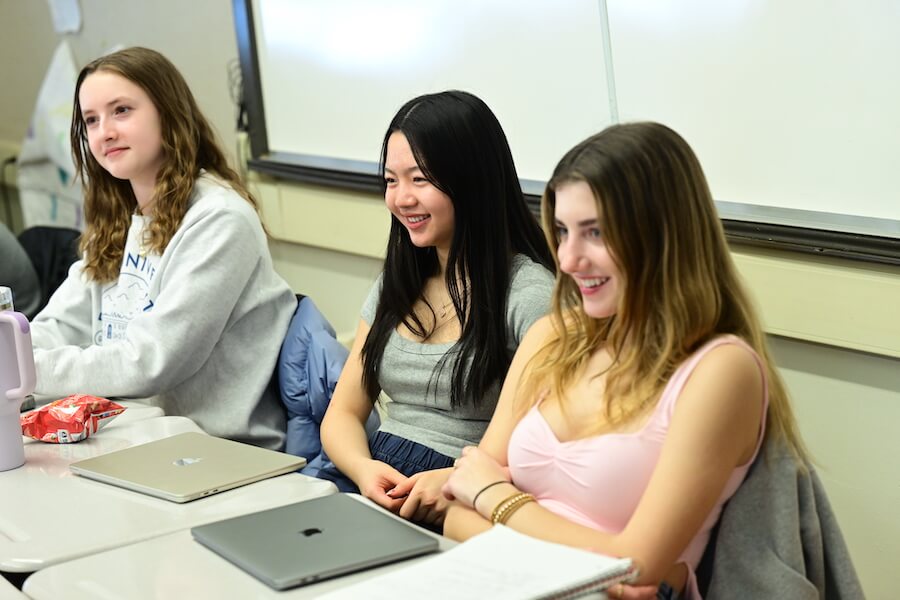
(186, 462)
(310, 531)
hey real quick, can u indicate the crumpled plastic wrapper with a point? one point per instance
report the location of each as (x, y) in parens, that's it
(70, 419)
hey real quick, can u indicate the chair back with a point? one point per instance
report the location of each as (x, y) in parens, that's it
(52, 251)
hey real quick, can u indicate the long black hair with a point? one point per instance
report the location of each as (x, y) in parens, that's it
(461, 149)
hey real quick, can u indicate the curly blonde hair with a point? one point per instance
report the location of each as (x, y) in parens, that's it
(681, 288)
(188, 143)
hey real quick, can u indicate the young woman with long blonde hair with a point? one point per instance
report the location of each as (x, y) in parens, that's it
(631, 414)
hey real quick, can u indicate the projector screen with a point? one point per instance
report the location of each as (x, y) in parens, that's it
(792, 107)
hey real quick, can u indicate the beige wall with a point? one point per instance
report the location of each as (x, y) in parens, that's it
(848, 406)
(837, 322)
(197, 35)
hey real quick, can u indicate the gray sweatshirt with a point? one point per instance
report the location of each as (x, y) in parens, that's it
(196, 330)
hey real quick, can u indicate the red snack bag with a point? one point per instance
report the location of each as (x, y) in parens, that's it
(69, 419)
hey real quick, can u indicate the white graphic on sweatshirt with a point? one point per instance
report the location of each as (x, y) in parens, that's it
(130, 295)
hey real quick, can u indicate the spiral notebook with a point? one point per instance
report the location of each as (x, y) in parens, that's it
(500, 564)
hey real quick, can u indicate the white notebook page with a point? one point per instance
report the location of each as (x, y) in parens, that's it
(498, 564)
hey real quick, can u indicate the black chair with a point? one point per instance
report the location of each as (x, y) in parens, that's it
(52, 251)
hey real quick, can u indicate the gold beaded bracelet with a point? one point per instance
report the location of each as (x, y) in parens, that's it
(503, 511)
(502, 505)
(509, 512)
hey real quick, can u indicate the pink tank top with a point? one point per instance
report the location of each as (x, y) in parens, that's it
(598, 481)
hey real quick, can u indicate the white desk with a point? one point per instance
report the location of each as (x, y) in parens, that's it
(9, 592)
(48, 515)
(173, 566)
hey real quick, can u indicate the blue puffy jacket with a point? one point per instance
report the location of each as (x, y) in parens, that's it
(309, 365)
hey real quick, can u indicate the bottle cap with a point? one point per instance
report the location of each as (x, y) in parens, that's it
(6, 298)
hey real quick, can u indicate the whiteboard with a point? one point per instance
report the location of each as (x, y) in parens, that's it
(793, 106)
(788, 103)
(335, 72)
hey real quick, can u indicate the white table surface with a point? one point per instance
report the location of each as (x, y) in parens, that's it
(175, 566)
(9, 592)
(49, 515)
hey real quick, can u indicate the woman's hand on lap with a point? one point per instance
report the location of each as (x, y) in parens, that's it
(377, 480)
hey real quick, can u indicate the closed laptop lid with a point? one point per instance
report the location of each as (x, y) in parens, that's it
(187, 466)
(305, 542)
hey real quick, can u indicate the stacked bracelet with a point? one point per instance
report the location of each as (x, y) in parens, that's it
(505, 509)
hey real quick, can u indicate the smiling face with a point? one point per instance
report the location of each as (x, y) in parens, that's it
(582, 251)
(425, 211)
(123, 130)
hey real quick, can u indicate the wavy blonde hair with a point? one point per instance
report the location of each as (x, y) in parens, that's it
(189, 145)
(681, 288)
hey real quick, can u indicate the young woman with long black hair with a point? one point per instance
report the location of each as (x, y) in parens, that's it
(466, 274)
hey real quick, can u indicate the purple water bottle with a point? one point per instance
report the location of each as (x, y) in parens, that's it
(17, 381)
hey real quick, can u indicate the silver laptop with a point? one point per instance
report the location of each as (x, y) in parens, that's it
(309, 541)
(187, 466)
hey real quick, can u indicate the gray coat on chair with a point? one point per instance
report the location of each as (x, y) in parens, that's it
(778, 538)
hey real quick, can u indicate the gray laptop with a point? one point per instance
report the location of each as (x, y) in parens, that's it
(309, 541)
(187, 466)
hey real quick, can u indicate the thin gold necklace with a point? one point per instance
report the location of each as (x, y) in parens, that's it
(444, 309)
